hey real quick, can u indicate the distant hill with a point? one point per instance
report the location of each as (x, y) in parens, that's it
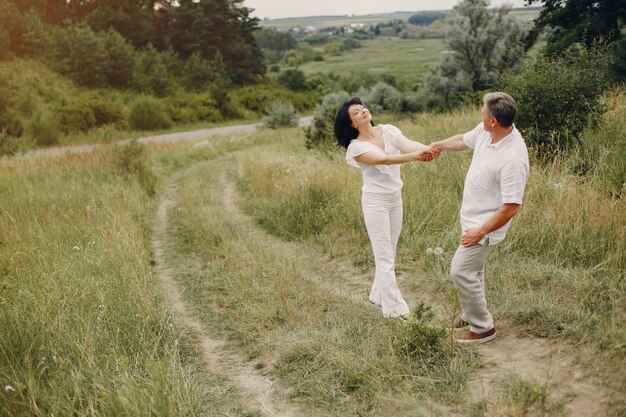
(319, 22)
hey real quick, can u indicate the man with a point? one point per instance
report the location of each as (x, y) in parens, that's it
(493, 192)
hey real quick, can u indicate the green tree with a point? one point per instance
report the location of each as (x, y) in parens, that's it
(80, 53)
(274, 40)
(482, 43)
(557, 96)
(21, 33)
(51, 11)
(580, 21)
(425, 18)
(150, 72)
(207, 27)
(120, 60)
(134, 20)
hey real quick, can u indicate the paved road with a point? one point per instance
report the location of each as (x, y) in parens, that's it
(167, 138)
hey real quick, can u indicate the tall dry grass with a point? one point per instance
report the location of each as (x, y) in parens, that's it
(83, 326)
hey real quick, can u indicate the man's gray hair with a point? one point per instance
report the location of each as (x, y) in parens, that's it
(501, 106)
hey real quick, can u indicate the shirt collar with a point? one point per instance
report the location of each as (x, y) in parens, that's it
(504, 141)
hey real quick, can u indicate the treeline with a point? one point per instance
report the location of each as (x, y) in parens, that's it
(133, 64)
(146, 45)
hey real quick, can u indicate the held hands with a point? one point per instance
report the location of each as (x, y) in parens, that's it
(428, 154)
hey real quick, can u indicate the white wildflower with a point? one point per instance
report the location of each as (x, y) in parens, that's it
(76, 248)
(438, 251)
(9, 388)
(429, 251)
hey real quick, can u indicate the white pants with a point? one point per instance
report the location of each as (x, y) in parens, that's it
(383, 219)
(468, 274)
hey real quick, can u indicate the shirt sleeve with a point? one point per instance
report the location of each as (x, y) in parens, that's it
(513, 181)
(355, 149)
(470, 138)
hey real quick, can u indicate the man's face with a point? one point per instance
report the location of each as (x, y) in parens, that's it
(489, 122)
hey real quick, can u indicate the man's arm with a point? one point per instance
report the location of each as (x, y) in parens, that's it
(454, 144)
(473, 235)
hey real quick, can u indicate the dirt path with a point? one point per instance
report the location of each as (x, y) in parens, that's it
(256, 388)
(544, 361)
(165, 138)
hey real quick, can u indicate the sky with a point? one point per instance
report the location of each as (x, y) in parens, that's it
(275, 9)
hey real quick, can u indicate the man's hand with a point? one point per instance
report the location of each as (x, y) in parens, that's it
(471, 236)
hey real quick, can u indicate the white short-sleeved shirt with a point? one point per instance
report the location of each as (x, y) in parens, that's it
(497, 175)
(384, 179)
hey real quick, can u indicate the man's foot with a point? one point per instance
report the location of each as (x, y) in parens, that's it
(471, 338)
(459, 325)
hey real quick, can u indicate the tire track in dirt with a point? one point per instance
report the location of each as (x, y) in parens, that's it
(257, 389)
(542, 360)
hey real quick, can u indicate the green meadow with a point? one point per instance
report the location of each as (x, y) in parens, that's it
(266, 243)
(406, 59)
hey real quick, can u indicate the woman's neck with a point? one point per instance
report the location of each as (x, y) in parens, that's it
(368, 132)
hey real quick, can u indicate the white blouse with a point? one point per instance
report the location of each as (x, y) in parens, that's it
(381, 179)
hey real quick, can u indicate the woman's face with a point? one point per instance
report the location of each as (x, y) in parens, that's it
(359, 115)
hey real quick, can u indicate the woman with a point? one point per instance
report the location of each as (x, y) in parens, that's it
(379, 151)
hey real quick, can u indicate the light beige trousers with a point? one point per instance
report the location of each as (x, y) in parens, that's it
(468, 274)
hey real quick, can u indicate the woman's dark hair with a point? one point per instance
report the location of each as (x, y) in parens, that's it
(344, 132)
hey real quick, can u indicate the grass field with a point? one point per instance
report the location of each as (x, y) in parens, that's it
(406, 59)
(328, 21)
(271, 257)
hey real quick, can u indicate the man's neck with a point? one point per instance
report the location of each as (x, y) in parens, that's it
(500, 133)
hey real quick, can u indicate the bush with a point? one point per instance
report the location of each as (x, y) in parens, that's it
(381, 97)
(75, 117)
(10, 145)
(10, 122)
(258, 97)
(557, 97)
(320, 133)
(281, 114)
(293, 79)
(130, 161)
(104, 110)
(147, 113)
(421, 342)
(192, 108)
(44, 129)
